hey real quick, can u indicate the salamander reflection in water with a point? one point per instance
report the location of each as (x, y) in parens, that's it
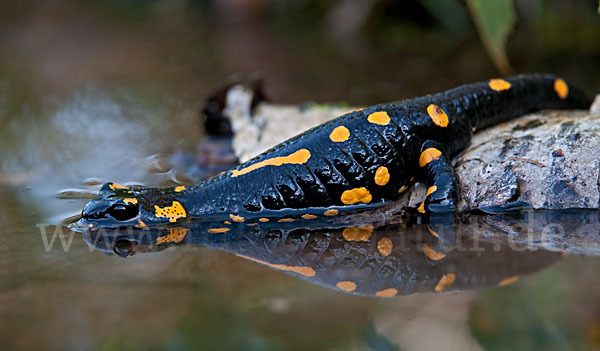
(359, 259)
(362, 159)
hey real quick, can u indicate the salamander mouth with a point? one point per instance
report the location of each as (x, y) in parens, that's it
(120, 212)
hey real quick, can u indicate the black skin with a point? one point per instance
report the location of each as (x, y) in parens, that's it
(311, 187)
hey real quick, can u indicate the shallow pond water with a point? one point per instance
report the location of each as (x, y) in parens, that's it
(109, 91)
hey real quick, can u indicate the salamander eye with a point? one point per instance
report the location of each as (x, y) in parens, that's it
(122, 212)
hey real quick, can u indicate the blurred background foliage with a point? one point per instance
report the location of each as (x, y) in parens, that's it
(360, 51)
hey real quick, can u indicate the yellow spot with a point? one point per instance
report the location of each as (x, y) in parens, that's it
(235, 218)
(384, 246)
(382, 176)
(432, 254)
(432, 232)
(308, 216)
(179, 188)
(305, 271)
(446, 280)
(561, 88)
(381, 118)
(358, 109)
(173, 212)
(438, 115)
(421, 207)
(218, 230)
(263, 220)
(355, 195)
(297, 158)
(431, 190)
(130, 200)
(114, 186)
(227, 222)
(362, 233)
(286, 220)
(428, 155)
(339, 134)
(331, 212)
(402, 189)
(141, 224)
(499, 84)
(251, 224)
(387, 292)
(509, 280)
(175, 235)
(346, 285)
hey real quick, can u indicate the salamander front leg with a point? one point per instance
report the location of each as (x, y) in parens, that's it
(441, 178)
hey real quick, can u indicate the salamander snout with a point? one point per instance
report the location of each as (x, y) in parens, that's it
(116, 205)
(117, 210)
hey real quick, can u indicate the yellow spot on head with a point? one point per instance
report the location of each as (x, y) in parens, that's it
(130, 200)
(308, 216)
(421, 207)
(381, 118)
(428, 155)
(305, 271)
(173, 212)
(179, 188)
(387, 292)
(384, 246)
(331, 212)
(297, 158)
(446, 280)
(235, 218)
(355, 195)
(438, 115)
(263, 220)
(114, 186)
(431, 190)
(402, 189)
(432, 254)
(251, 224)
(175, 235)
(218, 230)
(499, 84)
(509, 280)
(382, 176)
(358, 109)
(346, 285)
(362, 233)
(339, 134)
(561, 88)
(286, 220)
(227, 222)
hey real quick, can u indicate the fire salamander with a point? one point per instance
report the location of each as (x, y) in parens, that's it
(360, 160)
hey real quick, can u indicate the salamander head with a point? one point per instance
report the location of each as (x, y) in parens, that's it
(118, 206)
